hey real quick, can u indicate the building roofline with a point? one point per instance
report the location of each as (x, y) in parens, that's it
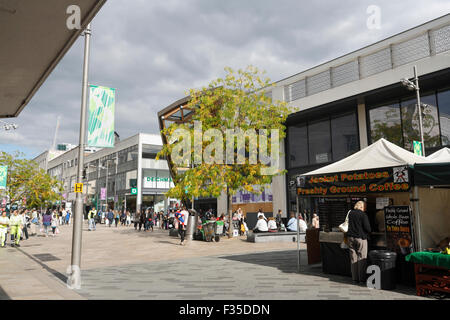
(432, 24)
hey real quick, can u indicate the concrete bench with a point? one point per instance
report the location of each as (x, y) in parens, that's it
(281, 236)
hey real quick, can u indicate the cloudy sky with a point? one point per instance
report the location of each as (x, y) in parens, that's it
(152, 51)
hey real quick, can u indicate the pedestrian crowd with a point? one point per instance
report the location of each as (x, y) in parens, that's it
(17, 222)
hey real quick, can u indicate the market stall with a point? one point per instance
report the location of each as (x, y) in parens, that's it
(442, 155)
(432, 261)
(382, 175)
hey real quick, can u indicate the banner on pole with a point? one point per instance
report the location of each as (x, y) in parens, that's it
(101, 116)
(102, 193)
(417, 148)
(3, 176)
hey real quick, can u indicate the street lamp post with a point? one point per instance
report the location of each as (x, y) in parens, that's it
(74, 272)
(415, 86)
(107, 173)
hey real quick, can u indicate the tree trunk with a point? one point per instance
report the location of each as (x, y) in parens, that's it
(230, 214)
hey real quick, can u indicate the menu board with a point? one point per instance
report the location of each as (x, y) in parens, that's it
(332, 212)
(399, 229)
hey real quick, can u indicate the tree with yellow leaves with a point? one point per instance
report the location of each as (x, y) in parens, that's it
(232, 140)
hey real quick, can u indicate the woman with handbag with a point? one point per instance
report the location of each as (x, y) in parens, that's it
(357, 234)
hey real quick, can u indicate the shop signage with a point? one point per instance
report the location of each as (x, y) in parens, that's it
(398, 229)
(158, 182)
(380, 180)
(133, 190)
(243, 196)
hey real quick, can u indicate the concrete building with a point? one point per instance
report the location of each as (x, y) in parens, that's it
(125, 176)
(351, 101)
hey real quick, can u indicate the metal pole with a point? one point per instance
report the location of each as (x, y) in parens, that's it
(74, 279)
(416, 78)
(418, 222)
(298, 236)
(106, 198)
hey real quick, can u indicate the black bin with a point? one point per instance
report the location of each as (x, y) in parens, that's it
(386, 261)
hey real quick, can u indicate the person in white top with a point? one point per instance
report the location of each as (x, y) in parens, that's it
(261, 225)
(272, 225)
(260, 213)
(64, 213)
(55, 220)
(302, 224)
(182, 219)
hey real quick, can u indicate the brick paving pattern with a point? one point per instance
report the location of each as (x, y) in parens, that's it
(120, 263)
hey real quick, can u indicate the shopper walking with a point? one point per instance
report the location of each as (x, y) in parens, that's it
(357, 234)
(116, 218)
(46, 221)
(128, 219)
(110, 217)
(25, 219)
(182, 217)
(16, 224)
(54, 223)
(34, 222)
(4, 224)
(68, 217)
(91, 219)
(141, 220)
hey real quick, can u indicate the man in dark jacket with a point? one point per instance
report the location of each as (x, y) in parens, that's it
(357, 234)
(141, 220)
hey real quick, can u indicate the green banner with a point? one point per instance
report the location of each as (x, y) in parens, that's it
(417, 148)
(101, 116)
(3, 176)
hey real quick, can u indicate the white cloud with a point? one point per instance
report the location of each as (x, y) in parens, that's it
(154, 51)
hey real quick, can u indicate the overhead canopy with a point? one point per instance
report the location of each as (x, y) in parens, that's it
(442, 155)
(34, 37)
(380, 154)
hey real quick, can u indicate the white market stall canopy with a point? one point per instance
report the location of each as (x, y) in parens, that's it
(380, 154)
(442, 155)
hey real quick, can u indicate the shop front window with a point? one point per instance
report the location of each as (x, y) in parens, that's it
(298, 145)
(345, 136)
(430, 122)
(319, 141)
(385, 122)
(444, 116)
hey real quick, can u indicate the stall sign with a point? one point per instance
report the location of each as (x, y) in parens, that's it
(382, 180)
(399, 229)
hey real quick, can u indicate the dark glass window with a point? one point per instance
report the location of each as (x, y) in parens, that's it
(385, 122)
(345, 136)
(410, 121)
(298, 146)
(319, 141)
(444, 116)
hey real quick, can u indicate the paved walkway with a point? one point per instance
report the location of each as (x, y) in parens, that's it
(120, 263)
